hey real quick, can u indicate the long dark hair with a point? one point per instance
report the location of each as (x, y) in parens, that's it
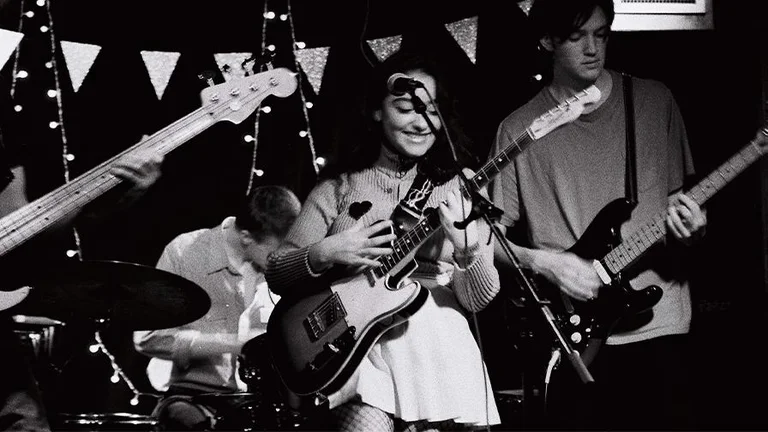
(438, 162)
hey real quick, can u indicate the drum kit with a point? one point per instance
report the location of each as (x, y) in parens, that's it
(98, 295)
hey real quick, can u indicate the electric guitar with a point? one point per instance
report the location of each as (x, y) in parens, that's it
(588, 324)
(234, 101)
(318, 340)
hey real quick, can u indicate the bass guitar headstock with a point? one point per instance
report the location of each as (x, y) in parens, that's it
(238, 98)
(565, 112)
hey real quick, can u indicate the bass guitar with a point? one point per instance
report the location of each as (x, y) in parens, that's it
(318, 340)
(588, 324)
(234, 101)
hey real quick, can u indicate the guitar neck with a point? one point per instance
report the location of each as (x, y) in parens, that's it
(630, 250)
(501, 160)
(430, 223)
(34, 218)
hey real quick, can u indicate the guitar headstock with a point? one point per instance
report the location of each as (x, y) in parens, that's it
(236, 99)
(566, 112)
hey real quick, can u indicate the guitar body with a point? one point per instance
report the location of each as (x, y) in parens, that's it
(588, 324)
(317, 341)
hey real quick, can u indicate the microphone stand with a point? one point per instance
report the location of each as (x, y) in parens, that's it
(482, 207)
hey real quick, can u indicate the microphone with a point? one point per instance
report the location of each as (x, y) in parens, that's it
(400, 84)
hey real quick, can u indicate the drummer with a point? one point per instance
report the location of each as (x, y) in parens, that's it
(228, 262)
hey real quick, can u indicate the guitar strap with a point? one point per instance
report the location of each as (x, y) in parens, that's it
(411, 206)
(629, 115)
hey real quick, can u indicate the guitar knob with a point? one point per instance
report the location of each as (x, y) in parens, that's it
(575, 320)
(576, 337)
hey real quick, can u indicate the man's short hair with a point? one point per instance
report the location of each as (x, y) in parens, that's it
(560, 18)
(268, 211)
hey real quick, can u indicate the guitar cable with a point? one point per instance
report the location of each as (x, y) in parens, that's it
(554, 361)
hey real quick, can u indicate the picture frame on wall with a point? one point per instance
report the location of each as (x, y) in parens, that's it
(660, 6)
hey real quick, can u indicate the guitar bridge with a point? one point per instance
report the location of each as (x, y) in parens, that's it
(325, 316)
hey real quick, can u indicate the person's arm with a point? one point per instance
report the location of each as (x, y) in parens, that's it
(475, 278)
(139, 171)
(308, 250)
(184, 343)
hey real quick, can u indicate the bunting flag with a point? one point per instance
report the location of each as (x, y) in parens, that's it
(232, 65)
(465, 33)
(525, 5)
(9, 40)
(385, 47)
(312, 62)
(79, 58)
(160, 66)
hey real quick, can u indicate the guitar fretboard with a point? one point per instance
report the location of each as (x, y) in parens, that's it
(25, 223)
(430, 223)
(630, 250)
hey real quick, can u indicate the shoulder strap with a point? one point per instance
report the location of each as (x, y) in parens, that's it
(409, 209)
(629, 115)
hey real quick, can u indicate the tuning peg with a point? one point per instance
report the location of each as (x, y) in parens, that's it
(206, 76)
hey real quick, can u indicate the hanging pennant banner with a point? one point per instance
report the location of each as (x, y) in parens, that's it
(232, 65)
(160, 66)
(312, 62)
(525, 5)
(465, 33)
(79, 58)
(385, 47)
(9, 40)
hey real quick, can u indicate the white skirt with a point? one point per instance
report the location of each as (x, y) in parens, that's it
(429, 368)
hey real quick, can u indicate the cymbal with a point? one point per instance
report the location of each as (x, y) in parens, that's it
(114, 293)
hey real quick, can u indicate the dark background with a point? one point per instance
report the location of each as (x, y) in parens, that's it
(715, 75)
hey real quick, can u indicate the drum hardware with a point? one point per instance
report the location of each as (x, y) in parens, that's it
(104, 422)
(91, 296)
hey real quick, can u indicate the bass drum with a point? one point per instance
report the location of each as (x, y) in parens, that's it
(268, 406)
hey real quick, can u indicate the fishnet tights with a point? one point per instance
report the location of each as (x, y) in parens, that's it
(355, 416)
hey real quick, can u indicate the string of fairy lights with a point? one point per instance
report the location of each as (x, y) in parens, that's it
(19, 74)
(268, 50)
(28, 14)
